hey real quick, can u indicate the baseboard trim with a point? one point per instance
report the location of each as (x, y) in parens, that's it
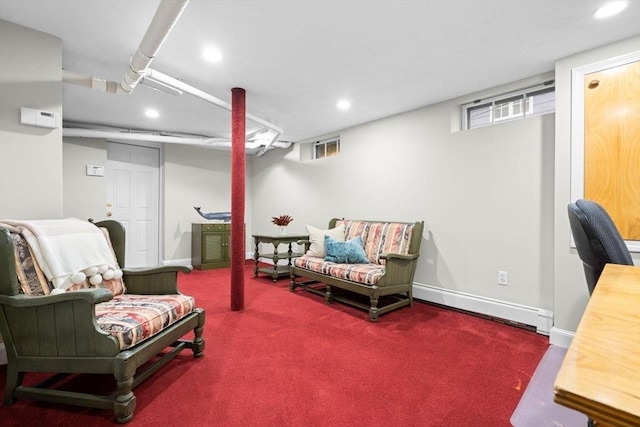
(3, 354)
(539, 318)
(561, 337)
(187, 261)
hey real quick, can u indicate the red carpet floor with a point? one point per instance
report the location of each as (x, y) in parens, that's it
(290, 360)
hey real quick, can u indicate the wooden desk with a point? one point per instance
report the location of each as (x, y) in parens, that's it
(600, 374)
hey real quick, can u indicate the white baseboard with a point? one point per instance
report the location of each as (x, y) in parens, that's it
(540, 318)
(560, 337)
(187, 261)
(3, 354)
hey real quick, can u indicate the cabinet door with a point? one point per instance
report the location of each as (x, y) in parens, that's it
(214, 247)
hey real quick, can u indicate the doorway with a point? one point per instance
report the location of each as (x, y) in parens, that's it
(133, 185)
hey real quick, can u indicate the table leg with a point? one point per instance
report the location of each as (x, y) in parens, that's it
(274, 275)
(256, 255)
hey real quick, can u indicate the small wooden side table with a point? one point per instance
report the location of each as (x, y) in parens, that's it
(276, 271)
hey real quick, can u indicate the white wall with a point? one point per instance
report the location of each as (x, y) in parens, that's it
(84, 196)
(30, 76)
(193, 176)
(570, 289)
(486, 195)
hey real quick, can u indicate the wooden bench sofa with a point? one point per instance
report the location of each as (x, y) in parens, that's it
(98, 329)
(391, 249)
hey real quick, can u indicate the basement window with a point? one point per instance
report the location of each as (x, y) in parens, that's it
(520, 104)
(326, 148)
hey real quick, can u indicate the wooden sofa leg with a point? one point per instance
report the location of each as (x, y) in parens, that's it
(292, 283)
(14, 379)
(125, 403)
(328, 296)
(198, 341)
(373, 310)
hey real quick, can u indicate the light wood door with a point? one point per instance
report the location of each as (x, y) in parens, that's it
(612, 144)
(133, 176)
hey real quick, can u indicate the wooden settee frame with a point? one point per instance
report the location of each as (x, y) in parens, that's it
(59, 334)
(397, 281)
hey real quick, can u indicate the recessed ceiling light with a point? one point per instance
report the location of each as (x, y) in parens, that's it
(343, 104)
(610, 9)
(212, 54)
(150, 112)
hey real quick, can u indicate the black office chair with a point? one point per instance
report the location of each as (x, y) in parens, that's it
(598, 241)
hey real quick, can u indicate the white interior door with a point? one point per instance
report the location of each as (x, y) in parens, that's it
(133, 180)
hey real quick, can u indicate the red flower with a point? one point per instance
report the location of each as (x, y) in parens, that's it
(282, 220)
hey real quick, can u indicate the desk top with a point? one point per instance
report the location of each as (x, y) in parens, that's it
(600, 374)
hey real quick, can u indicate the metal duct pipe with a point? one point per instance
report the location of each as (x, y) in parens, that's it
(157, 76)
(166, 16)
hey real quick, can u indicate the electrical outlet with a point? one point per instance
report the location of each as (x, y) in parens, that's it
(503, 278)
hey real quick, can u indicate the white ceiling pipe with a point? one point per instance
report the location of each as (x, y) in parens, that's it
(89, 82)
(180, 85)
(97, 133)
(220, 143)
(166, 16)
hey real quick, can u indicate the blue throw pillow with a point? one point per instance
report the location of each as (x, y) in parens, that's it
(349, 252)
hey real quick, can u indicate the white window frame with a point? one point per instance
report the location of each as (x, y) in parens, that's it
(326, 143)
(494, 101)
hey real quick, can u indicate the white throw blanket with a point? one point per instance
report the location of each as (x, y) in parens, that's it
(66, 248)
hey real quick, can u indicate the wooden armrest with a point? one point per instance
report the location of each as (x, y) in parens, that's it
(91, 296)
(399, 256)
(155, 280)
(142, 271)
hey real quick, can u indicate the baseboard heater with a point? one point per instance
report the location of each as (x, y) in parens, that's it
(531, 318)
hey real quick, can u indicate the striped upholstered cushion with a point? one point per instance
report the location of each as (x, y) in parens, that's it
(387, 238)
(354, 228)
(367, 274)
(133, 318)
(312, 263)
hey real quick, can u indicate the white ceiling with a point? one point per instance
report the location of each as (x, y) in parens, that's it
(296, 59)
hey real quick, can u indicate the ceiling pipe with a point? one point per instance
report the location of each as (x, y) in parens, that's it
(174, 83)
(163, 21)
(165, 18)
(216, 143)
(89, 82)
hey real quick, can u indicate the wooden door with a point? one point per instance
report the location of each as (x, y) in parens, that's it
(612, 144)
(133, 177)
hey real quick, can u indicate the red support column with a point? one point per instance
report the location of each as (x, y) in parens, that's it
(238, 160)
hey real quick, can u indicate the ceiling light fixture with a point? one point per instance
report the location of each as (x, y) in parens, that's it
(343, 104)
(151, 113)
(212, 54)
(610, 9)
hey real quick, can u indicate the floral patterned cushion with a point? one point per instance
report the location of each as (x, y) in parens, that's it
(132, 319)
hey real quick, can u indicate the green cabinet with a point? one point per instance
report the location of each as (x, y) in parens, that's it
(210, 246)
